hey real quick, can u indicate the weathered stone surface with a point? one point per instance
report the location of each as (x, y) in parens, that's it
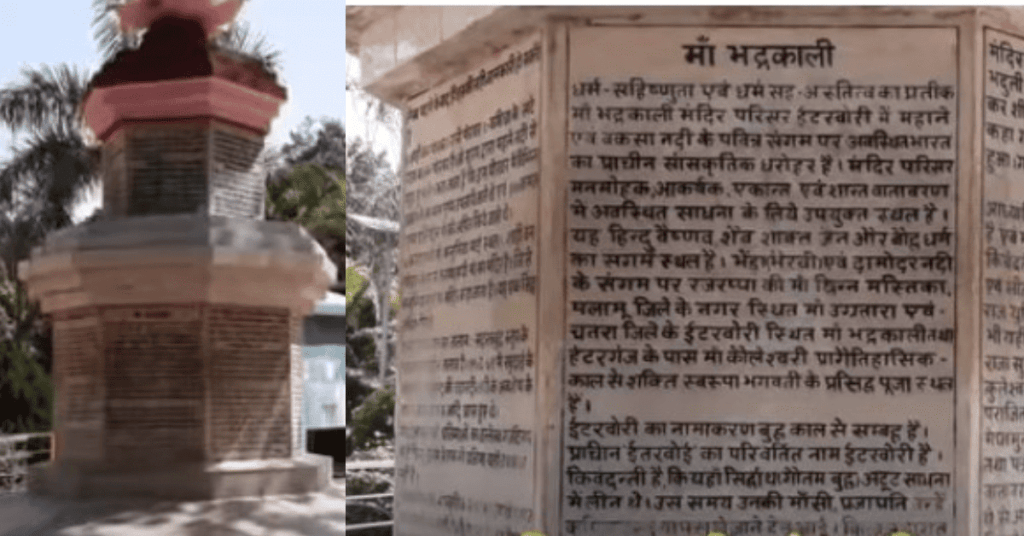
(178, 368)
(191, 167)
(469, 299)
(180, 389)
(778, 253)
(179, 259)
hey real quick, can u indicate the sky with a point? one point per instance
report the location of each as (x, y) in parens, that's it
(310, 34)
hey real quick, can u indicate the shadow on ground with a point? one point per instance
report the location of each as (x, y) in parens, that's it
(319, 514)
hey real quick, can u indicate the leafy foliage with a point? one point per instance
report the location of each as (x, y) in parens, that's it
(242, 39)
(306, 184)
(373, 191)
(49, 169)
(369, 511)
(373, 421)
(360, 366)
(359, 316)
(318, 142)
(354, 283)
(39, 186)
(314, 197)
(26, 393)
(109, 38)
(47, 98)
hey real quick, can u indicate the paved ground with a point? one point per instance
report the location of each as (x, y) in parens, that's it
(320, 514)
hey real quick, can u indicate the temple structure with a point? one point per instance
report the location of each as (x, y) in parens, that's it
(177, 318)
(675, 270)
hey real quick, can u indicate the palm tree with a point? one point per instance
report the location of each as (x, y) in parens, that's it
(50, 167)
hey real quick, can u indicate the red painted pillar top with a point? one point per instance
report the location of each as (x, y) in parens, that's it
(179, 73)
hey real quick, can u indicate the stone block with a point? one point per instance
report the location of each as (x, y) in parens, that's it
(746, 270)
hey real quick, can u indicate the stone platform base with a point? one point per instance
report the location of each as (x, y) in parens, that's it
(307, 474)
(313, 514)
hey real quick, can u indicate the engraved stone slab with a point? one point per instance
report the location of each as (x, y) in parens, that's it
(1002, 371)
(155, 396)
(760, 269)
(466, 371)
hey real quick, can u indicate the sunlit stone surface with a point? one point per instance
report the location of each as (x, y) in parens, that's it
(675, 270)
(177, 317)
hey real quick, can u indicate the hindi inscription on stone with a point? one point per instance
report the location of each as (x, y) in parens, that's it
(466, 369)
(1002, 370)
(761, 281)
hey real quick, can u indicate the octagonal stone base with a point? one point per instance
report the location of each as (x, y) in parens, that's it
(180, 258)
(177, 365)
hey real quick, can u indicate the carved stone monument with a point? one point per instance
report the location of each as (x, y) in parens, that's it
(177, 317)
(670, 271)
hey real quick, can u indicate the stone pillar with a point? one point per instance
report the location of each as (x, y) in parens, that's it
(682, 270)
(177, 316)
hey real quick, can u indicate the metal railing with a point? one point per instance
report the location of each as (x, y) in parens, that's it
(17, 453)
(372, 465)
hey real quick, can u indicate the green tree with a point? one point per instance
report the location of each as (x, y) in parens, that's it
(360, 365)
(313, 197)
(373, 421)
(52, 164)
(317, 142)
(306, 184)
(26, 394)
(39, 185)
(371, 246)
